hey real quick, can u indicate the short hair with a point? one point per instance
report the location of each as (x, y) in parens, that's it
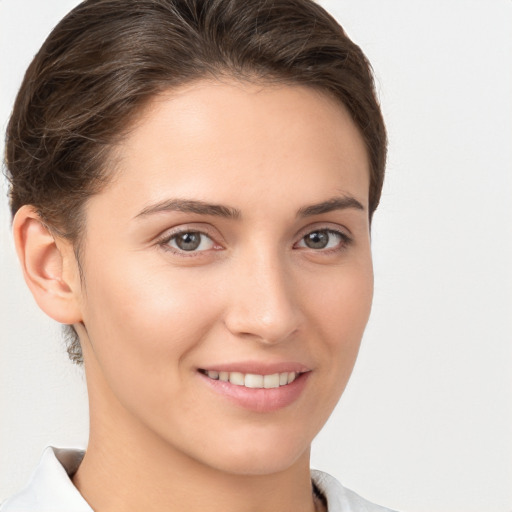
(107, 59)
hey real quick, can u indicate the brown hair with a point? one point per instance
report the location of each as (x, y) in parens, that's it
(107, 58)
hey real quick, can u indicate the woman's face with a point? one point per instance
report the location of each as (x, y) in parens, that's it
(232, 244)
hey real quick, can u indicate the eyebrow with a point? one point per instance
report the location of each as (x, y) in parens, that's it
(191, 206)
(218, 210)
(335, 203)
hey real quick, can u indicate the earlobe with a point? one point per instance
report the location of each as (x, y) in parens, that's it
(45, 267)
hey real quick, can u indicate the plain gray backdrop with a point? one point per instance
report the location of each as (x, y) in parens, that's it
(425, 423)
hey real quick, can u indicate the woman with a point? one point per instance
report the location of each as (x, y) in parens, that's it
(192, 184)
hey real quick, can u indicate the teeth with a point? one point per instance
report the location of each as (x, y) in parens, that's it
(251, 380)
(236, 378)
(271, 381)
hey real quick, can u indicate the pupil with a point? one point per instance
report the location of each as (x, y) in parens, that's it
(188, 241)
(317, 240)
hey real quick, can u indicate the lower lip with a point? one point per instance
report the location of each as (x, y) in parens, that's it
(259, 399)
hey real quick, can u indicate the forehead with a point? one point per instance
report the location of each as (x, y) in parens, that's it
(237, 142)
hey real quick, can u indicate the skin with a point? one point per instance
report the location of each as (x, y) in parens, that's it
(149, 315)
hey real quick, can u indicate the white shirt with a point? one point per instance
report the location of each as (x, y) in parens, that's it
(50, 488)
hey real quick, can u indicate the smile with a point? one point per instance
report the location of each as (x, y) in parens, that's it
(262, 388)
(252, 380)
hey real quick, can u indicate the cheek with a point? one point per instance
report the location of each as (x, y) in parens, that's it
(344, 297)
(143, 322)
(341, 312)
(144, 318)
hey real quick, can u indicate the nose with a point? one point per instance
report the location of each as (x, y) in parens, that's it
(262, 304)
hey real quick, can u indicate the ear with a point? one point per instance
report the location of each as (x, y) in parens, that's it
(49, 267)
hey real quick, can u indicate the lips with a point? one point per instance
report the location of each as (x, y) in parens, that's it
(260, 388)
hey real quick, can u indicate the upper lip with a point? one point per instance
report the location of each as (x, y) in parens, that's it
(258, 368)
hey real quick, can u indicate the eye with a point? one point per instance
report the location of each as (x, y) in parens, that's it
(190, 241)
(322, 239)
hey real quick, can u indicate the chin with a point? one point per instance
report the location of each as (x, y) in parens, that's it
(250, 465)
(262, 458)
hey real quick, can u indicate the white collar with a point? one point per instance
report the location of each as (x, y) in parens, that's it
(341, 499)
(50, 488)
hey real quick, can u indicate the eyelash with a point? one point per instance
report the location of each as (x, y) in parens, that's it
(164, 241)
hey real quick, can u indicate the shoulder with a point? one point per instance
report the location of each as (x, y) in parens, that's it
(50, 488)
(341, 499)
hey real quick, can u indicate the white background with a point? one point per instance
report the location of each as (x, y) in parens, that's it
(425, 424)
